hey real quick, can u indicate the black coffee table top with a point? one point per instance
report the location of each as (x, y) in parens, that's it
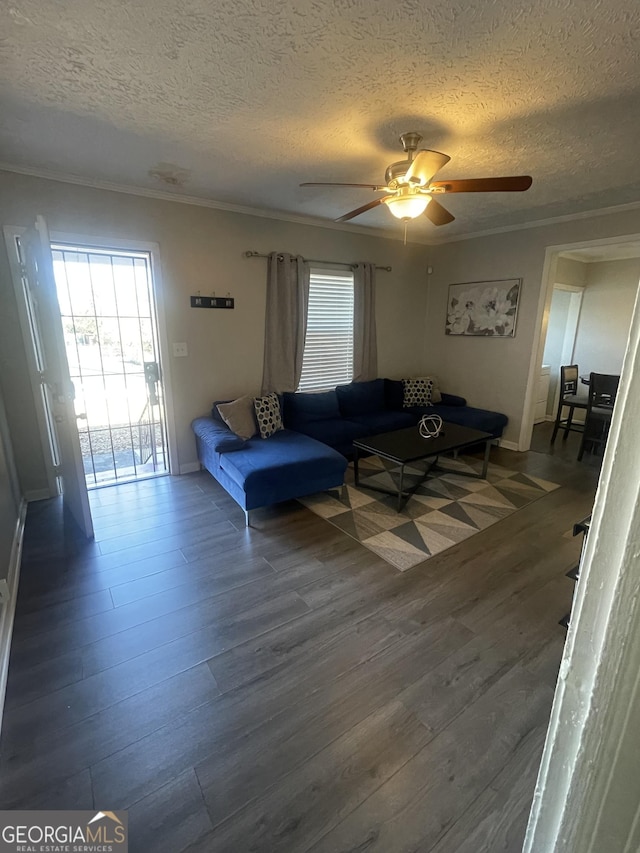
(405, 445)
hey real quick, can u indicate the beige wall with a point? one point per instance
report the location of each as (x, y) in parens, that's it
(202, 250)
(607, 307)
(494, 373)
(570, 271)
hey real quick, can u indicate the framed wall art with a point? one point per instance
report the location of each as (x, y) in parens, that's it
(484, 308)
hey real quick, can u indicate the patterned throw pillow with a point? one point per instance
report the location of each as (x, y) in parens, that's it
(417, 392)
(268, 414)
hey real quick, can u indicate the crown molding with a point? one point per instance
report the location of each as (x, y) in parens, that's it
(540, 223)
(302, 219)
(180, 198)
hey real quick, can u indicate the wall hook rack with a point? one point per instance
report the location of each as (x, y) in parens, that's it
(212, 302)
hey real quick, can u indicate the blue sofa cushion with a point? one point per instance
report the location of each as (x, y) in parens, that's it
(386, 421)
(337, 433)
(300, 409)
(452, 400)
(492, 422)
(218, 435)
(361, 398)
(286, 461)
(394, 394)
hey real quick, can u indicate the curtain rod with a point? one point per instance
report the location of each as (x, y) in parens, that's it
(314, 261)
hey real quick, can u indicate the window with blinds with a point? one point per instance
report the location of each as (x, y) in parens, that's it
(328, 348)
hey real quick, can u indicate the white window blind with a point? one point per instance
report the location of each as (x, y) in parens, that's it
(328, 348)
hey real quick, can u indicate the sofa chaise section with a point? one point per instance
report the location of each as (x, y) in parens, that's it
(260, 472)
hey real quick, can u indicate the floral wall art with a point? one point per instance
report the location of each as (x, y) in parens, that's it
(487, 308)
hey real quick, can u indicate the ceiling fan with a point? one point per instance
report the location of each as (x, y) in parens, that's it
(410, 189)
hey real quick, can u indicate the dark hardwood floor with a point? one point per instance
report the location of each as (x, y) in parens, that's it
(282, 688)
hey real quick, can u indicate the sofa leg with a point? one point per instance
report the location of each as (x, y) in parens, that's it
(247, 520)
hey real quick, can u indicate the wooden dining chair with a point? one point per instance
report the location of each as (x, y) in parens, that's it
(570, 399)
(603, 388)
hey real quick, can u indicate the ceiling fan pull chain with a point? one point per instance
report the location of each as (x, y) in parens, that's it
(405, 233)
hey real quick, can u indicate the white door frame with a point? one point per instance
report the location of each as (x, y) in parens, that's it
(86, 240)
(586, 796)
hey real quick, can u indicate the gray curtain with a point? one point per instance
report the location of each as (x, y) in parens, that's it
(285, 322)
(365, 345)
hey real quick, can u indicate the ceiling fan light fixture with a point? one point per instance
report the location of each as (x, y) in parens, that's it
(407, 206)
(410, 185)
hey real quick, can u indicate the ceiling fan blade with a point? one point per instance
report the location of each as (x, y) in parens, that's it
(362, 209)
(514, 184)
(437, 213)
(327, 184)
(424, 166)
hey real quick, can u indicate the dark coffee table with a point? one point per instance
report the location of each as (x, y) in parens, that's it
(407, 445)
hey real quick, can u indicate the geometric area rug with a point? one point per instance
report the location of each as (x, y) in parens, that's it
(446, 509)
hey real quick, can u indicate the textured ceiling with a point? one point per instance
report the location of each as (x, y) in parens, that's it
(239, 102)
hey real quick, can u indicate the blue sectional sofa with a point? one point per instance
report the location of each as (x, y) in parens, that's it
(311, 453)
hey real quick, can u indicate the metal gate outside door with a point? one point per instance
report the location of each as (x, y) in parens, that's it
(110, 333)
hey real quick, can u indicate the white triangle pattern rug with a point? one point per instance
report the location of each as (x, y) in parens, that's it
(446, 509)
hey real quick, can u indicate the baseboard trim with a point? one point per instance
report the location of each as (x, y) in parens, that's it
(508, 445)
(190, 468)
(8, 607)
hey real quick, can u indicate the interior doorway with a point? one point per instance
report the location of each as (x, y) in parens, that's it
(602, 329)
(106, 299)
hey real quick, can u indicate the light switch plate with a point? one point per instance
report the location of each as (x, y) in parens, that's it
(180, 350)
